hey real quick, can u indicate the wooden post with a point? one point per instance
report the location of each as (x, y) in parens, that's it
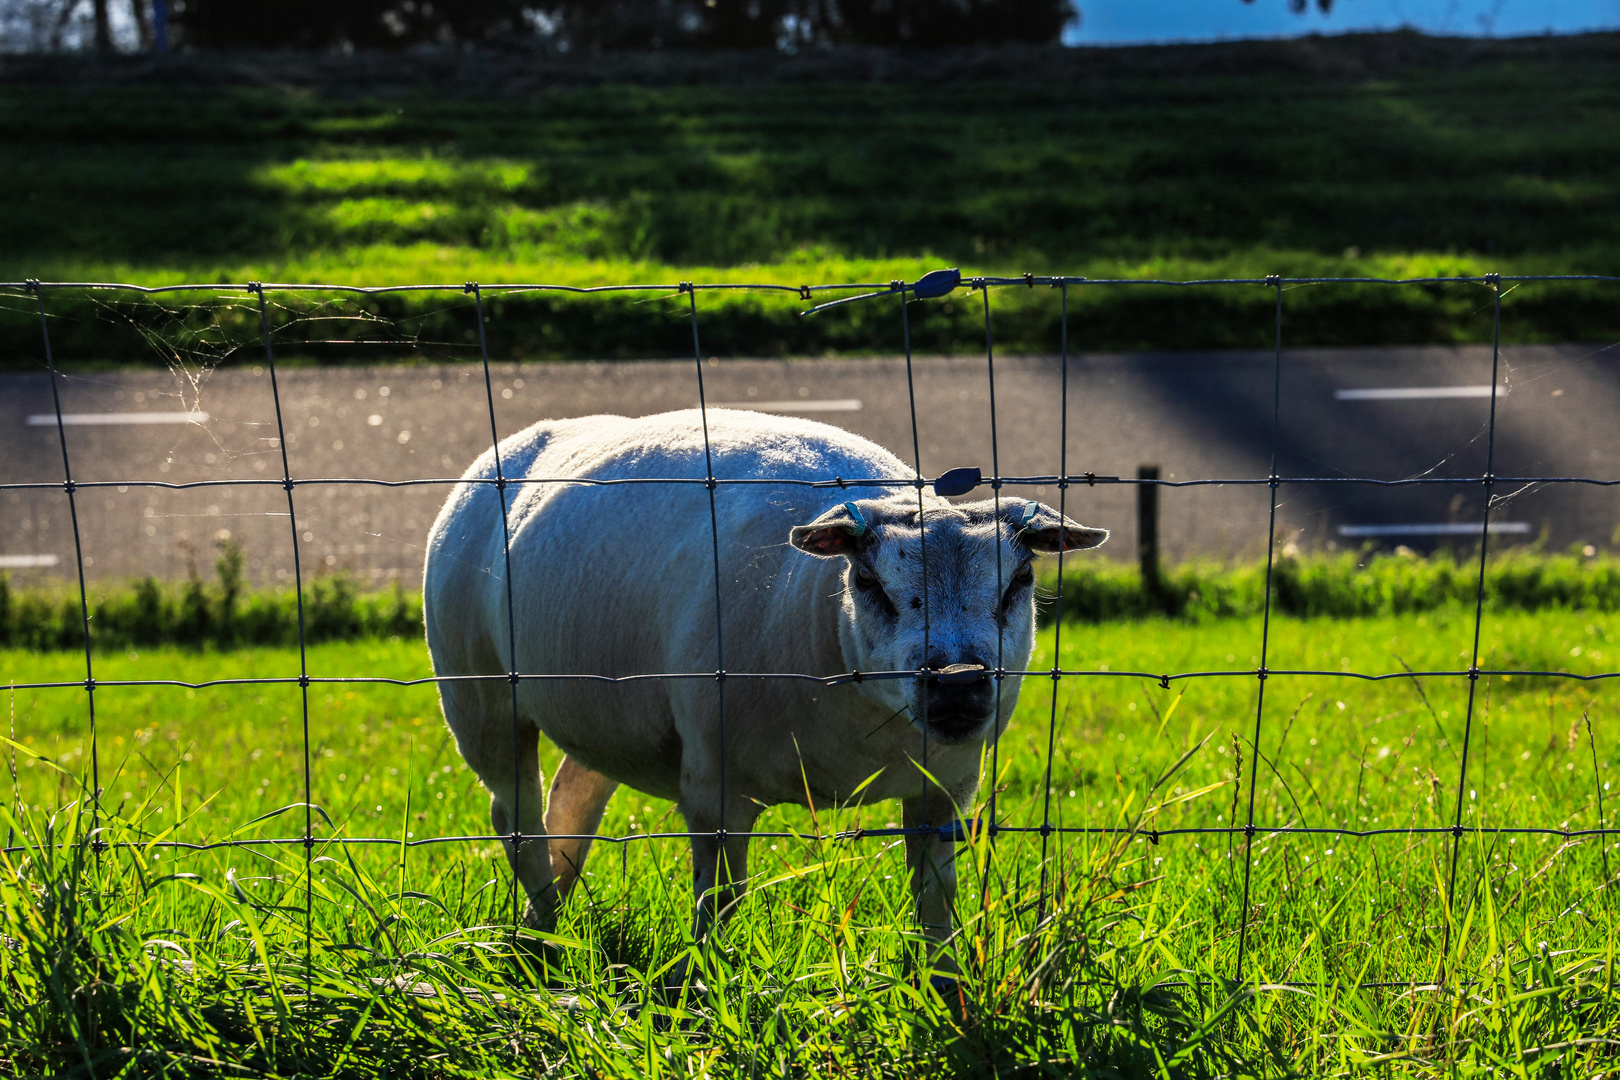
(1147, 528)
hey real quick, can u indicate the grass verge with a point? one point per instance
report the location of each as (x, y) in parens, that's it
(225, 613)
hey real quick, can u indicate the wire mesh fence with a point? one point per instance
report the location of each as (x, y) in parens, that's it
(990, 823)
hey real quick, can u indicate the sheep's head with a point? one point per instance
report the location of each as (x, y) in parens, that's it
(951, 595)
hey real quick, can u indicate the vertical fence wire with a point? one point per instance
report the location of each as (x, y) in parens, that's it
(1265, 629)
(1000, 608)
(722, 864)
(71, 489)
(1057, 633)
(1479, 614)
(287, 484)
(922, 540)
(512, 676)
(1001, 625)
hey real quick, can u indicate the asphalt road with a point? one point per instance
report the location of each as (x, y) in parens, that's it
(1199, 416)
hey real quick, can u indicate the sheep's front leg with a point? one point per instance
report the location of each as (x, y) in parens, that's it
(932, 862)
(719, 868)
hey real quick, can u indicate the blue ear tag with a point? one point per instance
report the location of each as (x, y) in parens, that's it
(1026, 520)
(958, 481)
(860, 522)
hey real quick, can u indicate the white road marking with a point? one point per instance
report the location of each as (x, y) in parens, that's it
(102, 419)
(1436, 529)
(803, 405)
(1416, 393)
(23, 562)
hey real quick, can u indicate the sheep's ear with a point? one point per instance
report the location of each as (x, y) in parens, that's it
(1044, 531)
(843, 530)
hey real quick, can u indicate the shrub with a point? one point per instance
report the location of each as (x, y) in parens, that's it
(1342, 585)
(222, 615)
(227, 613)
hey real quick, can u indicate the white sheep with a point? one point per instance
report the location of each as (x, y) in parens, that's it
(618, 580)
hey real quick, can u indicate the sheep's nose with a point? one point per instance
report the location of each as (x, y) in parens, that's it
(958, 697)
(961, 674)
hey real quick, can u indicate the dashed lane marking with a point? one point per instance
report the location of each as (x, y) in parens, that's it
(1435, 529)
(1416, 393)
(103, 419)
(793, 406)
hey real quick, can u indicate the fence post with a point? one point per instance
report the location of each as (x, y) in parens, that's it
(1147, 530)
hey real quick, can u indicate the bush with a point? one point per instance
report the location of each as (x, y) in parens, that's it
(223, 615)
(1344, 585)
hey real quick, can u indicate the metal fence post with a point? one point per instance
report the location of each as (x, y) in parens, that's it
(1147, 531)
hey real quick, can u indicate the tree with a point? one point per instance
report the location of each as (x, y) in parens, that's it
(589, 25)
(746, 24)
(951, 22)
(104, 42)
(619, 24)
(324, 24)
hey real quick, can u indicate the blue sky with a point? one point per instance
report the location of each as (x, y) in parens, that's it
(1119, 22)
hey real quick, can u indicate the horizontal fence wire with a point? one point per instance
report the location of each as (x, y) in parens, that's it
(1162, 680)
(743, 481)
(961, 833)
(904, 293)
(802, 291)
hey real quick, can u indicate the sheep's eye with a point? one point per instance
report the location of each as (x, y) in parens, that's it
(872, 589)
(1021, 580)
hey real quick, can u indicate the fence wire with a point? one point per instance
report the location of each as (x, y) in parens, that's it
(904, 294)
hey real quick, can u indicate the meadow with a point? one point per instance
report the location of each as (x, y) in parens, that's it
(1115, 956)
(1383, 155)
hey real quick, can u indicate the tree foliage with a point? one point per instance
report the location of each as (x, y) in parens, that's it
(589, 25)
(362, 24)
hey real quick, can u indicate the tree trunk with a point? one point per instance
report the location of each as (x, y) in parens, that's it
(63, 16)
(143, 25)
(104, 42)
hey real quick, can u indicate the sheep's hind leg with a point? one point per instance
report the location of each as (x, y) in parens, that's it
(518, 785)
(573, 812)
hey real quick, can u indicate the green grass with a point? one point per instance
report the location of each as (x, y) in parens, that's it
(1472, 160)
(817, 974)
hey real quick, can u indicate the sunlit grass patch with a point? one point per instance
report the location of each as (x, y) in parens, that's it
(362, 176)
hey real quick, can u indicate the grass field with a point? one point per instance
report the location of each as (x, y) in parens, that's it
(154, 961)
(1467, 160)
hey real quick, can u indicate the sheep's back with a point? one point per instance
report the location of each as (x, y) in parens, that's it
(617, 577)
